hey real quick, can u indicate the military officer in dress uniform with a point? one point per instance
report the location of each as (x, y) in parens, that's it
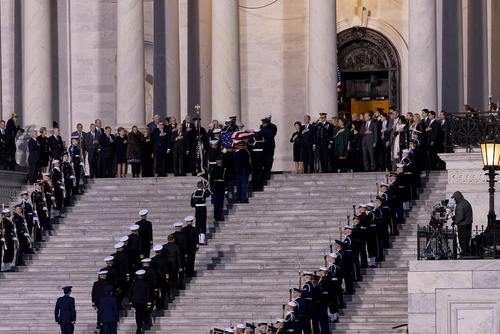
(40, 212)
(198, 199)
(345, 251)
(369, 220)
(145, 232)
(65, 312)
(218, 188)
(98, 293)
(134, 247)
(22, 235)
(108, 312)
(59, 189)
(350, 247)
(140, 298)
(307, 296)
(160, 264)
(322, 138)
(67, 172)
(122, 265)
(174, 264)
(28, 211)
(385, 197)
(76, 161)
(151, 278)
(181, 242)
(192, 239)
(9, 239)
(382, 227)
(256, 145)
(212, 155)
(324, 286)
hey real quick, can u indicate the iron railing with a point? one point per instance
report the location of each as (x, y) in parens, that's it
(468, 129)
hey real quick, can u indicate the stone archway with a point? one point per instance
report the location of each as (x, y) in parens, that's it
(370, 66)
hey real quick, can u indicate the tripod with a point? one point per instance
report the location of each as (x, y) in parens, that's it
(437, 244)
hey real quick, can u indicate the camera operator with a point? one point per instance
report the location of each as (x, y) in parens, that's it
(463, 220)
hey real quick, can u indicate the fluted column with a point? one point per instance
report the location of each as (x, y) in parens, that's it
(130, 63)
(225, 60)
(37, 69)
(172, 54)
(322, 83)
(422, 60)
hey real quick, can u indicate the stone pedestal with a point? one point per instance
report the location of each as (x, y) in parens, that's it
(466, 174)
(130, 63)
(322, 74)
(422, 61)
(448, 297)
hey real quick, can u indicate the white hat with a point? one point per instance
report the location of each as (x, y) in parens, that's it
(293, 304)
(140, 272)
(400, 165)
(55, 161)
(143, 212)
(125, 238)
(334, 255)
(406, 151)
(229, 120)
(134, 227)
(102, 272)
(214, 141)
(348, 227)
(217, 130)
(158, 248)
(256, 130)
(323, 268)
(229, 330)
(361, 205)
(370, 204)
(268, 115)
(240, 326)
(189, 219)
(109, 258)
(310, 273)
(119, 245)
(46, 174)
(384, 185)
(146, 260)
(178, 224)
(6, 210)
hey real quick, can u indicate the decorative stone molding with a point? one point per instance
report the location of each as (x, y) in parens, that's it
(466, 176)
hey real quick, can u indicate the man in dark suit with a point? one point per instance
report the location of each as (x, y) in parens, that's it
(91, 143)
(385, 142)
(155, 124)
(431, 141)
(308, 135)
(98, 126)
(179, 144)
(369, 140)
(107, 145)
(161, 139)
(34, 157)
(56, 145)
(65, 312)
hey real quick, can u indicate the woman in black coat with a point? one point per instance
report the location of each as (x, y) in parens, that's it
(297, 148)
(44, 149)
(147, 153)
(121, 141)
(134, 151)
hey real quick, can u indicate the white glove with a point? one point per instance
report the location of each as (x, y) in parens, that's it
(3, 239)
(26, 234)
(71, 177)
(15, 239)
(82, 164)
(44, 208)
(52, 198)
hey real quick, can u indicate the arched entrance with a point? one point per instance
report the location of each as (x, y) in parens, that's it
(370, 70)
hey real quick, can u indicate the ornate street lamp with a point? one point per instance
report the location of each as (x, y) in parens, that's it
(490, 151)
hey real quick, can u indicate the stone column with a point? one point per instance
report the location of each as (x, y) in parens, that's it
(205, 48)
(37, 69)
(172, 55)
(422, 59)
(322, 83)
(130, 108)
(225, 60)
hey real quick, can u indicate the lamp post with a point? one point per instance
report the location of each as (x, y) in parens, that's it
(490, 151)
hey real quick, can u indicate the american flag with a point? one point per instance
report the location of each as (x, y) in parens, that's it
(339, 85)
(229, 138)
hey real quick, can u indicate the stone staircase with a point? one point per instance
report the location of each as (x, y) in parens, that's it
(79, 244)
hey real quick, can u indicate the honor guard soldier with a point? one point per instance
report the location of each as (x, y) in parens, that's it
(65, 312)
(122, 265)
(173, 255)
(352, 252)
(382, 227)
(268, 132)
(98, 293)
(362, 234)
(67, 171)
(249, 328)
(198, 199)
(9, 239)
(77, 161)
(40, 212)
(396, 189)
(113, 275)
(335, 294)
(300, 309)
(134, 247)
(347, 265)
(262, 328)
(385, 198)
(325, 287)
(140, 298)
(218, 188)
(28, 211)
(181, 242)
(151, 278)
(322, 138)
(371, 240)
(109, 312)
(256, 145)
(48, 192)
(291, 323)
(192, 239)
(212, 154)
(58, 186)
(145, 232)
(307, 295)
(22, 235)
(404, 185)
(160, 265)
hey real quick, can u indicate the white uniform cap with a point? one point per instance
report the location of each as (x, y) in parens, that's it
(293, 304)
(189, 219)
(146, 260)
(46, 174)
(119, 245)
(143, 212)
(240, 326)
(400, 165)
(134, 227)
(6, 211)
(384, 185)
(268, 115)
(229, 120)
(370, 204)
(256, 130)
(229, 330)
(158, 248)
(178, 224)
(334, 255)
(102, 272)
(140, 272)
(348, 227)
(406, 151)
(125, 238)
(323, 269)
(55, 161)
(109, 258)
(217, 130)
(308, 273)
(214, 141)
(361, 205)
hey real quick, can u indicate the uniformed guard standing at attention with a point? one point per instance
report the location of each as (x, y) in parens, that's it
(268, 133)
(198, 199)
(322, 138)
(256, 145)
(108, 312)
(40, 212)
(181, 242)
(67, 172)
(212, 154)
(23, 237)
(77, 162)
(191, 233)
(347, 265)
(140, 298)
(58, 185)
(218, 188)
(145, 232)
(9, 239)
(28, 211)
(307, 295)
(65, 312)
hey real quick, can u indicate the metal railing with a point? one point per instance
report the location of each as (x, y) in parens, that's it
(468, 129)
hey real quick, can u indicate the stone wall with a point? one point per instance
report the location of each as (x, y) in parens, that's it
(454, 297)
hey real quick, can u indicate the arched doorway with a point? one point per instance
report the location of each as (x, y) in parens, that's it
(370, 70)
